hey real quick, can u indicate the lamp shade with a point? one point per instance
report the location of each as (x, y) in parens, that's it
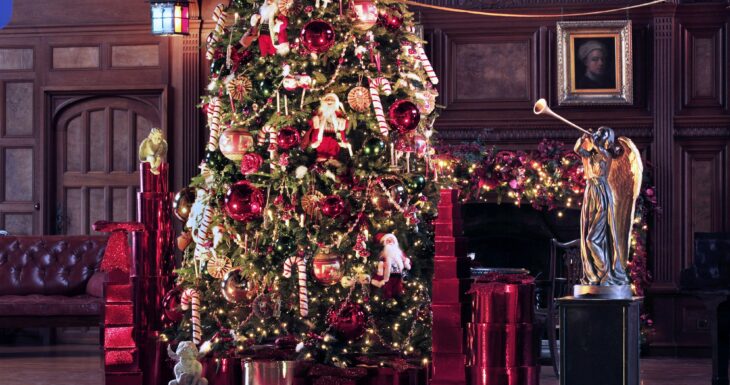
(170, 17)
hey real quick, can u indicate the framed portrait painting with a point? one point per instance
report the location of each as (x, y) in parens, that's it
(594, 62)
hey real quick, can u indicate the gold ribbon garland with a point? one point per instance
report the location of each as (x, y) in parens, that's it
(527, 16)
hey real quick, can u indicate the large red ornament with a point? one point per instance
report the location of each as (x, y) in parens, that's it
(171, 313)
(244, 201)
(234, 143)
(318, 36)
(348, 321)
(333, 206)
(364, 14)
(183, 202)
(288, 138)
(403, 115)
(391, 19)
(237, 289)
(327, 268)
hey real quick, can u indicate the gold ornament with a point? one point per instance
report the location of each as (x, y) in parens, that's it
(218, 267)
(239, 87)
(359, 99)
(310, 202)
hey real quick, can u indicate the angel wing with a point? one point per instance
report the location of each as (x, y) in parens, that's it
(624, 177)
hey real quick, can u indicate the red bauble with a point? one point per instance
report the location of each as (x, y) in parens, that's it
(391, 19)
(403, 115)
(364, 14)
(237, 289)
(348, 321)
(244, 201)
(327, 268)
(288, 138)
(332, 206)
(234, 143)
(171, 313)
(318, 36)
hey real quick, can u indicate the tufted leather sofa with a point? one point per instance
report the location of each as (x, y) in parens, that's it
(51, 281)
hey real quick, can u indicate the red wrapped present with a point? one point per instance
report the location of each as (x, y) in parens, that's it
(501, 345)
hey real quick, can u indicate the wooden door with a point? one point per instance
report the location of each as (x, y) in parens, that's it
(96, 144)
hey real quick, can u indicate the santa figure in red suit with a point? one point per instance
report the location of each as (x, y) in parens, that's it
(393, 261)
(328, 129)
(272, 29)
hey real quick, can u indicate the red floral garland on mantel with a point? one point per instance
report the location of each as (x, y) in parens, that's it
(550, 177)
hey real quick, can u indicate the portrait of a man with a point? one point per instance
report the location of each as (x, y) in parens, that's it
(594, 63)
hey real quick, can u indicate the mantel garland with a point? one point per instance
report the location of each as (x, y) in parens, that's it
(550, 177)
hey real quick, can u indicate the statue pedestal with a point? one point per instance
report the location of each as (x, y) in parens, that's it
(599, 341)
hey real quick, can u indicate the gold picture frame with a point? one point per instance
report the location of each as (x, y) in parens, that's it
(595, 62)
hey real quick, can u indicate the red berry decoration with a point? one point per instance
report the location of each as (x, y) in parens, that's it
(171, 313)
(333, 206)
(318, 36)
(288, 138)
(244, 201)
(403, 115)
(348, 321)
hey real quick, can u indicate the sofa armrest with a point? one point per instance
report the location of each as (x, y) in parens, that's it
(95, 286)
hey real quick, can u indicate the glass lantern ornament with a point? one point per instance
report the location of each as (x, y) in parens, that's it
(170, 17)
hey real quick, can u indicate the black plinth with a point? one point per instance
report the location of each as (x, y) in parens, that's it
(599, 341)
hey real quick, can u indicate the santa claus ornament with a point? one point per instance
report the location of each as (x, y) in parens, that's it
(328, 128)
(271, 25)
(393, 262)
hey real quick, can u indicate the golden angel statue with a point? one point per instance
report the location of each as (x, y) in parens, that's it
(612, 169)
(153, 150)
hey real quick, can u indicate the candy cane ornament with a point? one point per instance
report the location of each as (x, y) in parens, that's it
(427, 65)
(219, 18)
(302, 280)
(214, 123)
(191, 299)
(211, 41)
(378, 107)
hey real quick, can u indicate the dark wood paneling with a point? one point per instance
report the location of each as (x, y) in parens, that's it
(703, 83)
(703, 172)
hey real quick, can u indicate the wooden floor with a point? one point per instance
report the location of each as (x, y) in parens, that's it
(81, 365)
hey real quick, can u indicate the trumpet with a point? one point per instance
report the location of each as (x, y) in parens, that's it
(541, 107)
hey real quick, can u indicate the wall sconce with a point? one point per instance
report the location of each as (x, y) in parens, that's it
(170, 17)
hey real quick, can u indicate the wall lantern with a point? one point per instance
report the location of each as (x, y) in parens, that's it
(170, 17)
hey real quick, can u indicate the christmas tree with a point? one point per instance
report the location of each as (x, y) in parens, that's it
(310, 222)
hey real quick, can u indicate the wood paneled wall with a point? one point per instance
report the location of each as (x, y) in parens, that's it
(494, 69)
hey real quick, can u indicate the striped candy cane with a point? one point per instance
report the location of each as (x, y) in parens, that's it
(211, 41)
(214, 122)
(378, 107)
(427, 65)
(191, 299)
(302, 278)
(384, 85)
(219, 18)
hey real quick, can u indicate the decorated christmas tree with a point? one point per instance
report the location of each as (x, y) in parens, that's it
(309, 225)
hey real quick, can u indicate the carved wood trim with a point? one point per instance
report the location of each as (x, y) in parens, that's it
(695, 132)
(663, 146)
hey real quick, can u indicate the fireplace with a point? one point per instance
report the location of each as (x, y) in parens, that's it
(505, 235)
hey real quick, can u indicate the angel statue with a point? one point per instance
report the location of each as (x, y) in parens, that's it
(612, 169)
(188, 371)
(153, 150)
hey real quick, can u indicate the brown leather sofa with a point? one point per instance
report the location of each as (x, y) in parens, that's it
(51, 281)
